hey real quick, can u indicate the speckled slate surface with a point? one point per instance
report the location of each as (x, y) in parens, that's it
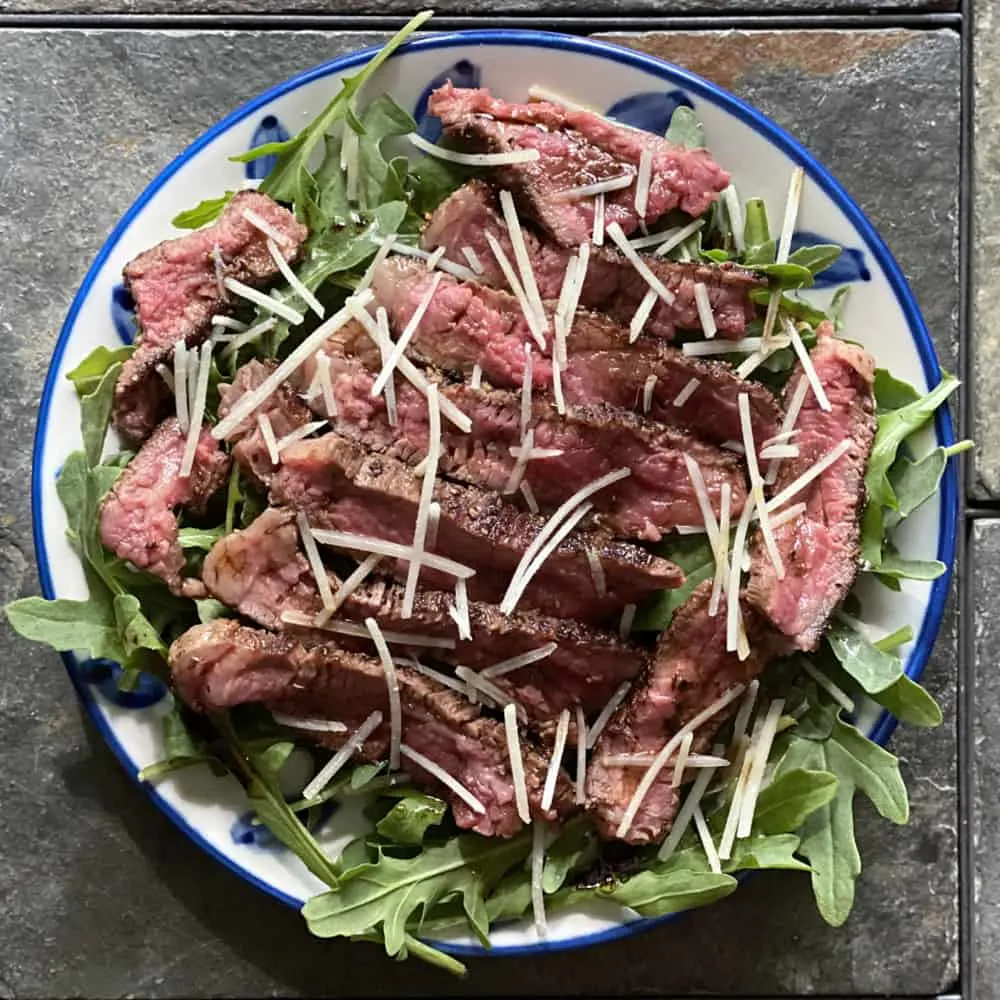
(102, 897)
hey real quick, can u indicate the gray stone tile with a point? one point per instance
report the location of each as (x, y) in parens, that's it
(985, 560)
(986, 256)
(484, 8)
(102, 897)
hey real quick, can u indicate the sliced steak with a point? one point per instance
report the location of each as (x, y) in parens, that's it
(689, 671)
(138, 521)
(576, 148)
(224, 664)
(468, 324)
(611, 285)
(592, 440)
(342, 487)
(821, 548)
(283, 408)
(176, 292)
(262, 574)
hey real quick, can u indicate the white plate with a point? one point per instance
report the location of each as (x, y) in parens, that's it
(881, 313)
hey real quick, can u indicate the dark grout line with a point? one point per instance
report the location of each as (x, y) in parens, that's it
(928, 20)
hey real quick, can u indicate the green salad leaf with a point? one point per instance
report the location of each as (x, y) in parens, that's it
(785, 804)
(828, 833)
(408, 821)
(693, 554)
(87, 375)
(686, 129)
(203, 213)
(663, 889)
(66, 625)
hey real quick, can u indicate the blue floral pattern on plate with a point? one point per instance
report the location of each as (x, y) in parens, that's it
(269, 130)
(462, 74)
(849, 266)
(650, 110)
(245, 831)
(105, 674)
(123, 314)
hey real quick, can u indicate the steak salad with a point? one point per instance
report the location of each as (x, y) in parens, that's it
(518, 487)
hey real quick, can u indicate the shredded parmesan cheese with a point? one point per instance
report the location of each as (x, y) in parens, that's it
(647, 393)
(354, 742)
(788, 424)
(228, 323)
(519, 661)
(406, 336)
(267, 433)
(180, 385)
(537, 873)
(255, 332)
(434, 675)
(665, 753)
(780, 451)
(524, 456)
(197, 407)
(702, 348)
(315, 561)
(817, 469)
(705, 836)
(580, 796)
(731, 200)
(435, 258)
(258, 222)
(393, 550)
(252, 400)
(557, 390)
(293, 279)
(686, 812)
(385, 248)
(761, 752)
(597, 573)
(513, 594)
(516, 762)
(433, 520)
(474, 159)
(392, 683)
(791, 213)
(743, 715)
(461, 611)
(266, 302)
(668, 239)
(681, 760)
(385, 350)
(625, 625)
(559, 745)
(220, 273)
(705, 315)
(426, 497)
(351, 584)
(516, 586)
(530, 316)
(526, 390)
(166, 374)
(308, 725)
(687, 392)
(436, 771)
(472, 257)
(736, 803)
(597, 236)
(721, 551)
(807, 366)
(618, 237)
(455, 270)
(704, 501)
(834, 690)
(733, 591)
(522, 259)
(349, 628)
(477, 376)
(757, 486)
(598, 187)
(643, 180)
(605, 715)
(641, 315)
(529, 497)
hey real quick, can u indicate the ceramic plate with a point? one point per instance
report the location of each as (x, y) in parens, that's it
(634, 88)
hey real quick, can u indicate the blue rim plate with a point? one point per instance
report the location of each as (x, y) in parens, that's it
(674, 77)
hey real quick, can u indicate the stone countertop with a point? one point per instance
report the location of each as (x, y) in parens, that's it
(102, 896)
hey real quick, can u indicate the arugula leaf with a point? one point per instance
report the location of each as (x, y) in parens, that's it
(575, 848)
(892, 564)
(894, 426)
(260, 773)
(663, 889)
(785, 804)
(693, 554)
(910, 702)
(95, 410)
(828, 833)
(784, 275)
(139, 638)
(838, 304)
(409, 819)
(914, 483)
(394, 892)
(290, 179)
(203, 213)
(892, 393)
(756, 232)
(66, 625)
(815, 258)
(380, 121)
(430, 182)
(895, 639)
(794, 307)
(201, 538)
(86, 376)
(873, 669)
(685, 129)
(761, 852)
